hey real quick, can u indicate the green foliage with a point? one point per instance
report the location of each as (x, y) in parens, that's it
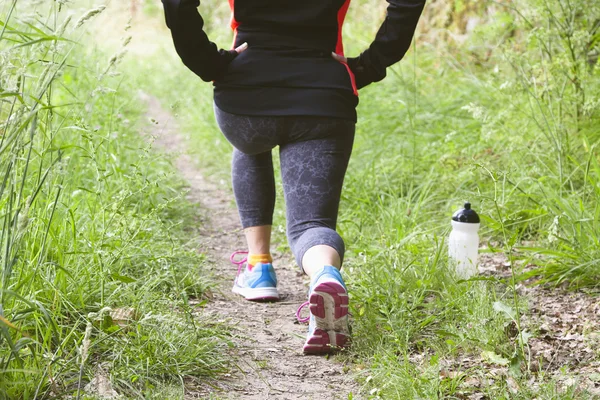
(526, 155)
(91, 220)
(550, 88)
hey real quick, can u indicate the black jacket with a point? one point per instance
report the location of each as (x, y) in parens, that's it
(287, 68)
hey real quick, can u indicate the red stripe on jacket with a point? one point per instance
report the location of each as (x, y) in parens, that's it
(233, 23)
(339, 48)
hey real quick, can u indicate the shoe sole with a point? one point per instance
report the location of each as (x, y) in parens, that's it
(329, 306)
(257, 294)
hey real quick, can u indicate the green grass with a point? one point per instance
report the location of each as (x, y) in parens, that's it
(92, 222)
(507, 120)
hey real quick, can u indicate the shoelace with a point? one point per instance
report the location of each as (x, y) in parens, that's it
(238, 263)
(243, 261)
(300, 319)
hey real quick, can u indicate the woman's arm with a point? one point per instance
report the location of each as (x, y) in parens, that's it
(391, 43)
(197, 52)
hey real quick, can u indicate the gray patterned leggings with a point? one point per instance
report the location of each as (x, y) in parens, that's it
(314, 154)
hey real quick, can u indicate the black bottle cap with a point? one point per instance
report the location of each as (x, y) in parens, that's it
(466, 215)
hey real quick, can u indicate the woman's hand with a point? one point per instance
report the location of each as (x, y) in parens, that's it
(357, 69)
(241, 48)
(226, 57)
(339, 58)
(364, 73)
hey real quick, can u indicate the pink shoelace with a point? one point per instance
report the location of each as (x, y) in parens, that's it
(238, 263)
(301, 319)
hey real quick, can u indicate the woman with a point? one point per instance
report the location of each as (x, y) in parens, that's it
(288, 84)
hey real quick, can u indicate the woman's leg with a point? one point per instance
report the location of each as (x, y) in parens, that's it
(317, 256)
(313, 165)
(254, 189)
(258, 239)
(253, 139)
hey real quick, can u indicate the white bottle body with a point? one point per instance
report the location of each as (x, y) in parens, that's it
(463, 246)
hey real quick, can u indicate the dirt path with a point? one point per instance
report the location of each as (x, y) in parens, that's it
(268, 340)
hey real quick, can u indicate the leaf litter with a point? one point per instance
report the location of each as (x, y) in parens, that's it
(561, 330)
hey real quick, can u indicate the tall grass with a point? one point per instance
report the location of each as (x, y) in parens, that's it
(93, 260)
(560, 89)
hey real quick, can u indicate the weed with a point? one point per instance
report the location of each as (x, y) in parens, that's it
(92, 223)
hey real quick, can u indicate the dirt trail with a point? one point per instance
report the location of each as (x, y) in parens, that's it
(268, 340)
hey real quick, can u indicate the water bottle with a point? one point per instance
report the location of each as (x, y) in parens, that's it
(464, 242)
